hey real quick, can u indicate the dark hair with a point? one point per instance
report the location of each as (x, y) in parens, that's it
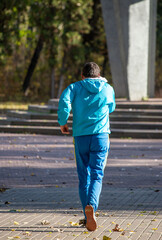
(91, 70)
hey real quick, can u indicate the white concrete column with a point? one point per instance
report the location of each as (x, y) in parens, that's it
(116, 38)
(131, 33)
(152, 48)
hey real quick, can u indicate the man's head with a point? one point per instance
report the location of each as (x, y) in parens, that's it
(90, 70)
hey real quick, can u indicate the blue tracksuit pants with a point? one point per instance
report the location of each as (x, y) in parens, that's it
(91, 153)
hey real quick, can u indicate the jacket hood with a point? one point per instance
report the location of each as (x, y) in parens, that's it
(94, 85)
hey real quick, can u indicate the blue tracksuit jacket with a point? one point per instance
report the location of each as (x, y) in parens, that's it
(91, 101)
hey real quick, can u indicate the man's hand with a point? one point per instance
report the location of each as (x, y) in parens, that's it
(65, 129)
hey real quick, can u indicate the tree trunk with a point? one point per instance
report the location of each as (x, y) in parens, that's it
(105, 61)
(53, 83)
(61, 82)
(33, 64)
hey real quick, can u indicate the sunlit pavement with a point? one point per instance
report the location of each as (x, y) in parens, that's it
(40, 198)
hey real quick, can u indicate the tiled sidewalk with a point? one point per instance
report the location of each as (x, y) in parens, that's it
(41, 176)
(136, 211)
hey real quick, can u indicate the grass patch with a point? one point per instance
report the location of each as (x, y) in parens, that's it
(16, 105)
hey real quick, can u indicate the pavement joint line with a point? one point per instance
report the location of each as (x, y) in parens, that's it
(121, 222)
(157, 227)
(35, 228)
(115, 219)
(125, 220)
(128, 200)
(17, 228)
(140, 224)
(73, 229)
(137, 225)
(64, 223)
(116, 199)
(111, 223)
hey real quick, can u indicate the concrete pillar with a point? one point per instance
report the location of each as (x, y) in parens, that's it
(130, 30)
(152, 48)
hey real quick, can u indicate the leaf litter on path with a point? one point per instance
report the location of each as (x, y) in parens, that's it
(16, 223)
(45, 222)
(118, 229)
(106, 238)
(74, 224)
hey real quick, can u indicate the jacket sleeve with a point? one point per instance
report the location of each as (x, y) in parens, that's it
(112, 103)
(65, 105)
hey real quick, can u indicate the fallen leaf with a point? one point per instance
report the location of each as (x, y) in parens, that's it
(104, 214)
(154, 229)
(71, 223)
(97, 214)
(45, 222)
(85, 232)
(153, 213)
(32, 174)
(3, 189)
(82, 222)
(117, 228)
(16, 223)
(74, 224)
(59, 230)
(27, 233)
(106, 238)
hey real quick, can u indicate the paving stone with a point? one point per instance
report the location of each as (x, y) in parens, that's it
(131, 195)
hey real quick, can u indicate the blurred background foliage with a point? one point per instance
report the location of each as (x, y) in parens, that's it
(44, 44)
